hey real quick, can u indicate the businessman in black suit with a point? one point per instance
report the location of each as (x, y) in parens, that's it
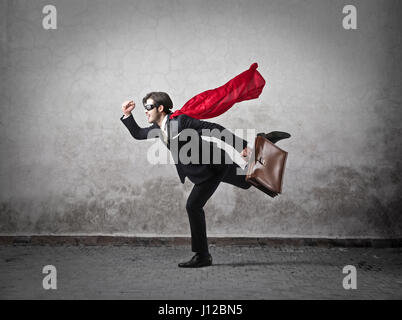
(201, 161)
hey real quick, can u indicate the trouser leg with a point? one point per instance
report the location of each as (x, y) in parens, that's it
(197, 199)
(236, 176)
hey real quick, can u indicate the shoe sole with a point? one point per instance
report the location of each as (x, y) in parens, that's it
(198, 266)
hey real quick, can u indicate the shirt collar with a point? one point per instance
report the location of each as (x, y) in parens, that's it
(164, 122)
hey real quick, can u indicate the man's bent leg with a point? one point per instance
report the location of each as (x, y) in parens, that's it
(236, 176)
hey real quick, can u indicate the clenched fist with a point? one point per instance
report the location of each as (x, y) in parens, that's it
(127, 107)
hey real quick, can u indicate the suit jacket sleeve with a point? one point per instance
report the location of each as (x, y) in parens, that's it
(236, 142)
(137, 132)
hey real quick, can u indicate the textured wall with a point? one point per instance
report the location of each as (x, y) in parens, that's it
(68, 165)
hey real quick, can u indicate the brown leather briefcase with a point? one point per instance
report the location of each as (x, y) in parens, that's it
(266, 166)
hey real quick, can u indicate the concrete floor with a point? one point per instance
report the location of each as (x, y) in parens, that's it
(239, 272)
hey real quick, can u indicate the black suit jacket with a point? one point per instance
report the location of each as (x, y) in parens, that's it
(201, 166)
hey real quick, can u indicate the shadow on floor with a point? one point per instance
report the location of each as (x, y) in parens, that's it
(276, 263)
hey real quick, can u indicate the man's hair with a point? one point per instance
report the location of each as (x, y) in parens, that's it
(160, 98)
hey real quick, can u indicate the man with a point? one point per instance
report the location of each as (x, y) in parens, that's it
(205, 171)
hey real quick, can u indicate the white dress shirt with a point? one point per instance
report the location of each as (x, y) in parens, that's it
(163, 126)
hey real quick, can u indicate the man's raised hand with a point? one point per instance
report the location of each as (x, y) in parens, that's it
(127, 107)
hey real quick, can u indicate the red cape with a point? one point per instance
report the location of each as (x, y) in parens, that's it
(212, 103)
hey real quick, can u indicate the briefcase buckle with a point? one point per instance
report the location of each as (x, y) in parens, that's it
(262, 161)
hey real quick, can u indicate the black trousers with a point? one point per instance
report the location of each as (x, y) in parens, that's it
(199, 196)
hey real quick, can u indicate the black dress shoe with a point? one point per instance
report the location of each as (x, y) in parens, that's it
(275, 136)
(197, 261)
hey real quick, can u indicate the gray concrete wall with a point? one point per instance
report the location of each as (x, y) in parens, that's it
(68, 166)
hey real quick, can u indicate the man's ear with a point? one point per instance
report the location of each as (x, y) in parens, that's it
(161, 108)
